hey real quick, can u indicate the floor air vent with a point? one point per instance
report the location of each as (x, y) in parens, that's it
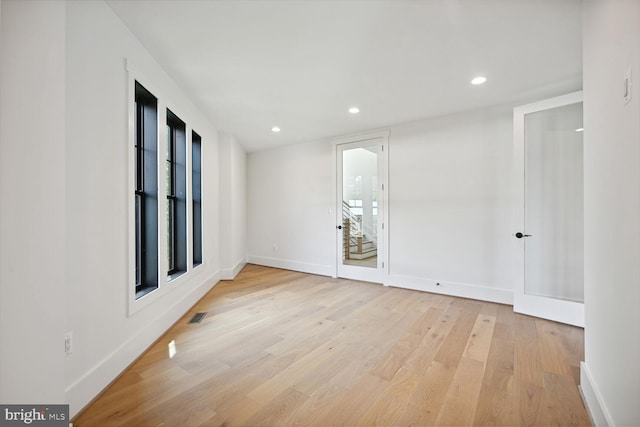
(197, 318)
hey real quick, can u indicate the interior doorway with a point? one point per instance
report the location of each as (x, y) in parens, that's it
(549, 216)
(360, 209)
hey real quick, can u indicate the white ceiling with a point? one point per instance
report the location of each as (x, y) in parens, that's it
(250, 65)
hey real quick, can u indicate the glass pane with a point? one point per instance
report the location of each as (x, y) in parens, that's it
(170, 234)
(359, 206)
(554, 203)
(139, 226)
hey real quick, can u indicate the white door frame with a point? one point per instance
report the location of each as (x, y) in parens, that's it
(569, 312)
(380, 274)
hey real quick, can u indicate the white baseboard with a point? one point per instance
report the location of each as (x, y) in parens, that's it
(592, 398)
(464, 290)
(319, 269)
(94, 381)
(231, 273)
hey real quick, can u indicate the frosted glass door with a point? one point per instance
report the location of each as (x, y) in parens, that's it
(553, 204)
(549, 228)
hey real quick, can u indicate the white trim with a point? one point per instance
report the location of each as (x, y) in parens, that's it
(334, 197)
(93, 382)
(163, 262)
(348, 139)
(563, 311)
(231, 273)
(546, 104)
(304, 267)
(464, 290)
(592, 398)
(130, 202)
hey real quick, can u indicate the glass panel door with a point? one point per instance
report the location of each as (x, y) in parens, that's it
(359, 206)
(553, 213)
(360, 210)
(548, 235)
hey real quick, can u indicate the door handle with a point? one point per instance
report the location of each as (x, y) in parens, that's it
(519, 235)
(339, 227)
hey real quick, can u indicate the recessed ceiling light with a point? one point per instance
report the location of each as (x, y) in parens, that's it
(478, 80)
(580, 130)
(275, 129)
(354, 110)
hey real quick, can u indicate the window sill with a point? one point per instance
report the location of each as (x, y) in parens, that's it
(175, 275)
(145, 291)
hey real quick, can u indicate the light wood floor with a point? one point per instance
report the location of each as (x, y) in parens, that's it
(284, 348)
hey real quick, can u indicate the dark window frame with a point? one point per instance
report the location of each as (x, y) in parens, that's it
(145, 190)
(196, 197)
(176, 209)
(171, 201)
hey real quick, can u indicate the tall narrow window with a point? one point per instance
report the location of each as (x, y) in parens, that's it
(196, 184)
(146, 190)
(176, 196)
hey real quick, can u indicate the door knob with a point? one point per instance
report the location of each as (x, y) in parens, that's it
(519, 235)
(339, 227)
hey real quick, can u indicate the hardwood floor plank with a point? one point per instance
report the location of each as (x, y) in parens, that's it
(393, 360)
(478, 345)
(319, 405)
(354, 404)
(426, 402)
(391, 402)
(453, 347)
(528, 405)
(491, 409)
(562, 401)
(497, 383)
(527, 365)
(285, 348)
(551, 348)
(292, 374)
(279, 411)
(459, 405)
(420, 360)
(362, 361)
(425, 323)
(235, 413)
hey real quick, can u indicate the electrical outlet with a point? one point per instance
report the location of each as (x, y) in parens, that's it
(275, 247)
(68, 343)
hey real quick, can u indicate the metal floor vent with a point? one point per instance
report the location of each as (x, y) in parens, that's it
(197, 318)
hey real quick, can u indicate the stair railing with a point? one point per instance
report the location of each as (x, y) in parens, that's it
(357, 230)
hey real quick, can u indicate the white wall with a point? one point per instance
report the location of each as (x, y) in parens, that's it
(106, 337)
(610, 374)
(290, 195)
(450, 205)
(233, 207)
(32, 207)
